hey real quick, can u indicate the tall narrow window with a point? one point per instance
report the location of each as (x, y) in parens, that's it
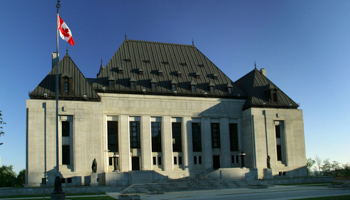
(229, 90)
(156, 137)
(112, 128)
(135, 135)
(65, 129)
(133, 85)
(215, 135)
(111, 84)
(211, 88)
(154, 86)
(278, 141)
(278, 131)
(234, 137)
(66, 154)
(66, 85)
(173, 86)
(196, 137)
(176, 128)
(193, 88)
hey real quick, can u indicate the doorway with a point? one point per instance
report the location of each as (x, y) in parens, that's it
(135, 160)
(216, 162)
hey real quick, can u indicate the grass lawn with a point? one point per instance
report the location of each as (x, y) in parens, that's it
(346, 197)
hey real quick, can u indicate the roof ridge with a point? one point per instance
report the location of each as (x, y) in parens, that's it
(128, 40)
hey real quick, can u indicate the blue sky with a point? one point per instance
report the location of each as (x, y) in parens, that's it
(304, 46)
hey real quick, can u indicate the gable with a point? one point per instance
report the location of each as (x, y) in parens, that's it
(79, 87)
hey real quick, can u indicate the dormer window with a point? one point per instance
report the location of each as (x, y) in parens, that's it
(140, 71)
(173, 86)
(111, 84)
(183, 64)
(197, 75)
(229, 88)
(272, 94)
(215, 76)
(193, 86)
(65, 85)
(160, 72)
(120, 70)
(211, 87)
(179, 74)
(154, 84)
(133, 83)
(111, 81)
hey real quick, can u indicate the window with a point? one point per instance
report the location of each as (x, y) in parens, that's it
(112, 128)
(193, 88)
(196, 137)
(215, 135)
(135, 135)
(65, 129)
(180, 160)
(278, 131)
(173, 86)
(176, 128)
(233, 159)
(66, 85)
(195, 160)
(111, 84)
(154, 160)
(69, 180)
(279, 152)
(200, 160)
(110, 161)
(159, 160)
(211, 88)
(229, 90)
(133, 85)
(154, 86)
(175, 160)
(140, 72)
(233, 137)
(65, 154)
(160, 73)
(156, 137)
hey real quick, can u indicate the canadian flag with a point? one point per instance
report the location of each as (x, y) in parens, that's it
(65, 32)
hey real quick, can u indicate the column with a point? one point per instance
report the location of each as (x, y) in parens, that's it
(167, 145)
(124, 143)
(146, 145)
(225, 143)
(206, 143)
(186, 136)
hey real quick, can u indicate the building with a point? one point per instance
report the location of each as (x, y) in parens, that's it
(161, 110)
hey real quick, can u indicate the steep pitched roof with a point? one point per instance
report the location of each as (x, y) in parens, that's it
(170, 59)
(258, 87)
(80, 85)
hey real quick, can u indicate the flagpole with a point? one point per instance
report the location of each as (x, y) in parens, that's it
(57, 192)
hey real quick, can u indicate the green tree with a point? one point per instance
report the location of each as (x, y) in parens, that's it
(7, 176)
(309, 164)
(326, 168)
(21, 178)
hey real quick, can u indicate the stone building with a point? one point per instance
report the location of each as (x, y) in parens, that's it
(160, 110)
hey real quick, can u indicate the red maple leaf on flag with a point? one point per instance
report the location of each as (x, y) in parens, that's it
(65, 32)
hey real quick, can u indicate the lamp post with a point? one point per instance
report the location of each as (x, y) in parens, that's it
(242, 154)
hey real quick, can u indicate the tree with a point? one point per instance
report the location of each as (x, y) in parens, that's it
(326, 167)
(1, 122)
(309, 164)
(7, 176)
(318, 164)
(21, 178)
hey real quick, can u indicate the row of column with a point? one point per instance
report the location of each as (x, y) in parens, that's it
(167, 145)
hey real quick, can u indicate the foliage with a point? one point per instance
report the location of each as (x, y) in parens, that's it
(1, 122)
(309, 164)
(8, 177)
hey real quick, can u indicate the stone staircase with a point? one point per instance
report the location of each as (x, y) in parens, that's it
(185, 184)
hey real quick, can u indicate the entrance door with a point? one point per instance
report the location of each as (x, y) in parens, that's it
(216, 162)
(135, 163)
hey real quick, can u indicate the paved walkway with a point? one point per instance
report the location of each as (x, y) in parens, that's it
(276, 192)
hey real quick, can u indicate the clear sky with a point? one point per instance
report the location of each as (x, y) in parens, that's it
(304, 46)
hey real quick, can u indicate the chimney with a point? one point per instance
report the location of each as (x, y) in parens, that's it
(54, 59)
(263, 71)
